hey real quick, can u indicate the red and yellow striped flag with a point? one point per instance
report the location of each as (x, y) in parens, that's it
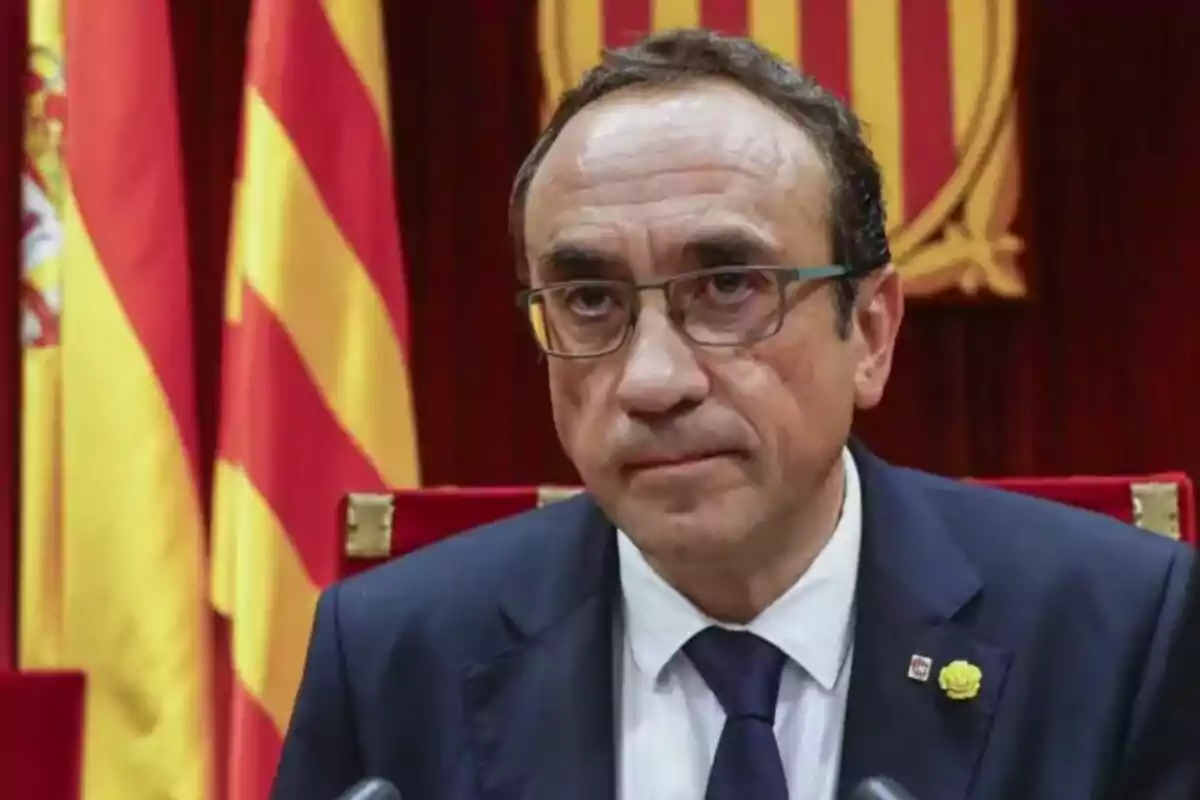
(316, 388)
(113, 565)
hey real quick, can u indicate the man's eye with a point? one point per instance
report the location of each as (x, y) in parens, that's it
(590, 301)
(729, 288)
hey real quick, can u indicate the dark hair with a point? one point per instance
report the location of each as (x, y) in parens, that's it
(857, 215)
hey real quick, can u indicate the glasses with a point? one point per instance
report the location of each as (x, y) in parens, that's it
(723, 307)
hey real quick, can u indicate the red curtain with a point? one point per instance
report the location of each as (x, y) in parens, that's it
(1099, 373)
(41, 741)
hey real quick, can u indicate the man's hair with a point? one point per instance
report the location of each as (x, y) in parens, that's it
(857, 217)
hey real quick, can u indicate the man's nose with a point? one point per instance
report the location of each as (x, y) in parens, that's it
(661, 371)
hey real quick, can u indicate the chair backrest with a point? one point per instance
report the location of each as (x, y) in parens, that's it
(1162, 502)
(378, 527)
(41, 734)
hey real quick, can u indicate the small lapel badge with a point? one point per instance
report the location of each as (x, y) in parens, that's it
(960, 680)
(919, 667)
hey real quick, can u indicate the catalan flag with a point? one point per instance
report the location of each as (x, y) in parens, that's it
(113, 545)
(316, 386)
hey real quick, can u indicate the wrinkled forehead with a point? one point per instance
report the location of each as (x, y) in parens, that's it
(645, 173)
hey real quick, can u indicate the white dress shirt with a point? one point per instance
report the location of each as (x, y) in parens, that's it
(668, 721)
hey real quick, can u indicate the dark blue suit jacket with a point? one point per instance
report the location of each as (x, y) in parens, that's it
(482, 667)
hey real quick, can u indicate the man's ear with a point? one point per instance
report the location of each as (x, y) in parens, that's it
(878, 311)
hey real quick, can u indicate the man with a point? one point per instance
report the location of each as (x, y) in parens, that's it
(745, 603)
(1166, 762)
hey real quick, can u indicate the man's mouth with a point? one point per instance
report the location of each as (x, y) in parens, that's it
(682, 463)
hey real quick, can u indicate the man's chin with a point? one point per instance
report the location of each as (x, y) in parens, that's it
(682, 547)
(655, 505)
(701, 524)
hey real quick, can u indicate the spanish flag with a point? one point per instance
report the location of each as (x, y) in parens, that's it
(113, 539)
(316, 395)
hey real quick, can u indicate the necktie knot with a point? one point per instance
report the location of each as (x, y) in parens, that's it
(742, 670)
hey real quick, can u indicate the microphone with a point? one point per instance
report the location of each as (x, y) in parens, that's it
(880, 789)
(372, 789)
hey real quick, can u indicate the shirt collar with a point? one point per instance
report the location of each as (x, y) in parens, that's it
(811, 622)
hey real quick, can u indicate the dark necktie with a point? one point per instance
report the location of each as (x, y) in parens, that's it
(743, 671)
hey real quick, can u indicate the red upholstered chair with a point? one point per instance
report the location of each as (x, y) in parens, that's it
(377, 527)
(41, 734)
(1164, 503)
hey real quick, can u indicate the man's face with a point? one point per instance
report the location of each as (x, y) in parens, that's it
(699, 453)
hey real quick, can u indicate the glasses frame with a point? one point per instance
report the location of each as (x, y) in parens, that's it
(784, 277)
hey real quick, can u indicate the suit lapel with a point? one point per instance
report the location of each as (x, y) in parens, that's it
(915, 590)
(540, 711)
(540, 707)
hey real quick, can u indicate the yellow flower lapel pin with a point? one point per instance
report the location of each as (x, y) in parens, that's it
(960, 680)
